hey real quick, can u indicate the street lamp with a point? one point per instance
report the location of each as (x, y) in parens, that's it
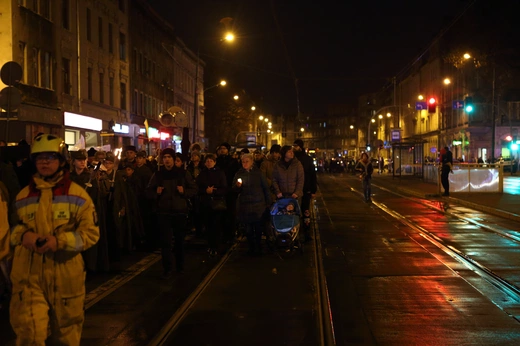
(229, 37)
(222, 83)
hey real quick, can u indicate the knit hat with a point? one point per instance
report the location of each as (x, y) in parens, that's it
(142, 153)
(168, 151)
(275, 148)
(110, 157)
(299, 143)
(91, 152)
(78, 155)
(225, 144)
(244, 151)
(130, 148)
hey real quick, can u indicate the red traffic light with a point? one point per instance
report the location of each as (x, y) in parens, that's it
(432, 105)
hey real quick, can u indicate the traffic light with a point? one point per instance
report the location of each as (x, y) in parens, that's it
(432, 105)
(468, 105)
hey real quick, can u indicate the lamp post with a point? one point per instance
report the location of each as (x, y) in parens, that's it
(229, 37)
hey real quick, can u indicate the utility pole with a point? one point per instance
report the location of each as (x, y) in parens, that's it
(493, 118)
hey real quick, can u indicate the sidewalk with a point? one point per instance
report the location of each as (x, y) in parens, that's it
(500, 204)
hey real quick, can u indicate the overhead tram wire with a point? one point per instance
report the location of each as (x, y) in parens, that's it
(435, 39)
(288, 58)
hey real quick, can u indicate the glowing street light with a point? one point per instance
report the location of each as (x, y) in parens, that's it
(253, 108)
(467, 56)
(230, 37)
(236, 97)
(447, 81)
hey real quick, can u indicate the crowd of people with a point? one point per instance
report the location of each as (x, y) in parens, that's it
(68, 215)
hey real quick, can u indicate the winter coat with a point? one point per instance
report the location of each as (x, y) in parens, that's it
(211, 177)
(310, 183)
(171, 201)
(365, 169)
(267, 168)
(288, 180)
(4, 224)
(96, 257)
(253, 195)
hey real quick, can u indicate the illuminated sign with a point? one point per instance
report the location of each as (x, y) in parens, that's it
(82, 122)
(153, 133)
(120, 128)
(457, 142)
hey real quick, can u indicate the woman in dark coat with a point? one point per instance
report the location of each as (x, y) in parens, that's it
(253, 201)
(212, 184)
(288, 175)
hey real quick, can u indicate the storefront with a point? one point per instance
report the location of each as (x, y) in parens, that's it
(82, 132)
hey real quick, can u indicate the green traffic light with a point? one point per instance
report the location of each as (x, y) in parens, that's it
(469, 108)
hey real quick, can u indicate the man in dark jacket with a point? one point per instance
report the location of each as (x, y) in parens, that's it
(309, 185)
(171, 187)
(230, 166)
(446, 169)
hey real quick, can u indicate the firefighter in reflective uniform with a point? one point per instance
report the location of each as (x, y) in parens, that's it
(57, 222)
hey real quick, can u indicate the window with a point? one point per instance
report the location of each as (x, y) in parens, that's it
(110, 40)
(111, 90)
(122, 46)
(123, 96)
(65, 14)
(136, 65)
(45, 9)
(89, 27)
(134, 101)
(65, 66)
(140, 104)
(34, 68)
(101, 87)
(23, 60)
(89, 83)
(100, 32)
(46, 70)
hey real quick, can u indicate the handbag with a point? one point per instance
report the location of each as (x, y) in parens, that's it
(218, 204)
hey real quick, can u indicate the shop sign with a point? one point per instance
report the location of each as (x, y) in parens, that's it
(120, 128)
(82, 121)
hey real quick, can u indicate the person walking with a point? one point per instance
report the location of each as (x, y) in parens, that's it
(171, 187)
(365, 168)
(57, 221)
(310, 184)
(212, 184)
(446, 168)
(253, 201)
(288, 175)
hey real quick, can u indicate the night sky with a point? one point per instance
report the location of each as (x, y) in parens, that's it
(338, 50)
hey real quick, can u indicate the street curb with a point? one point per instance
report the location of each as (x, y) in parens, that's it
(476, 206)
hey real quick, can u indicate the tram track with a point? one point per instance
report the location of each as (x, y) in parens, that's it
(489, 275)
(324, 320)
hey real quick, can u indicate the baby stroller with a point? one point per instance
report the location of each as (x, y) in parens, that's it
(285, 224)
